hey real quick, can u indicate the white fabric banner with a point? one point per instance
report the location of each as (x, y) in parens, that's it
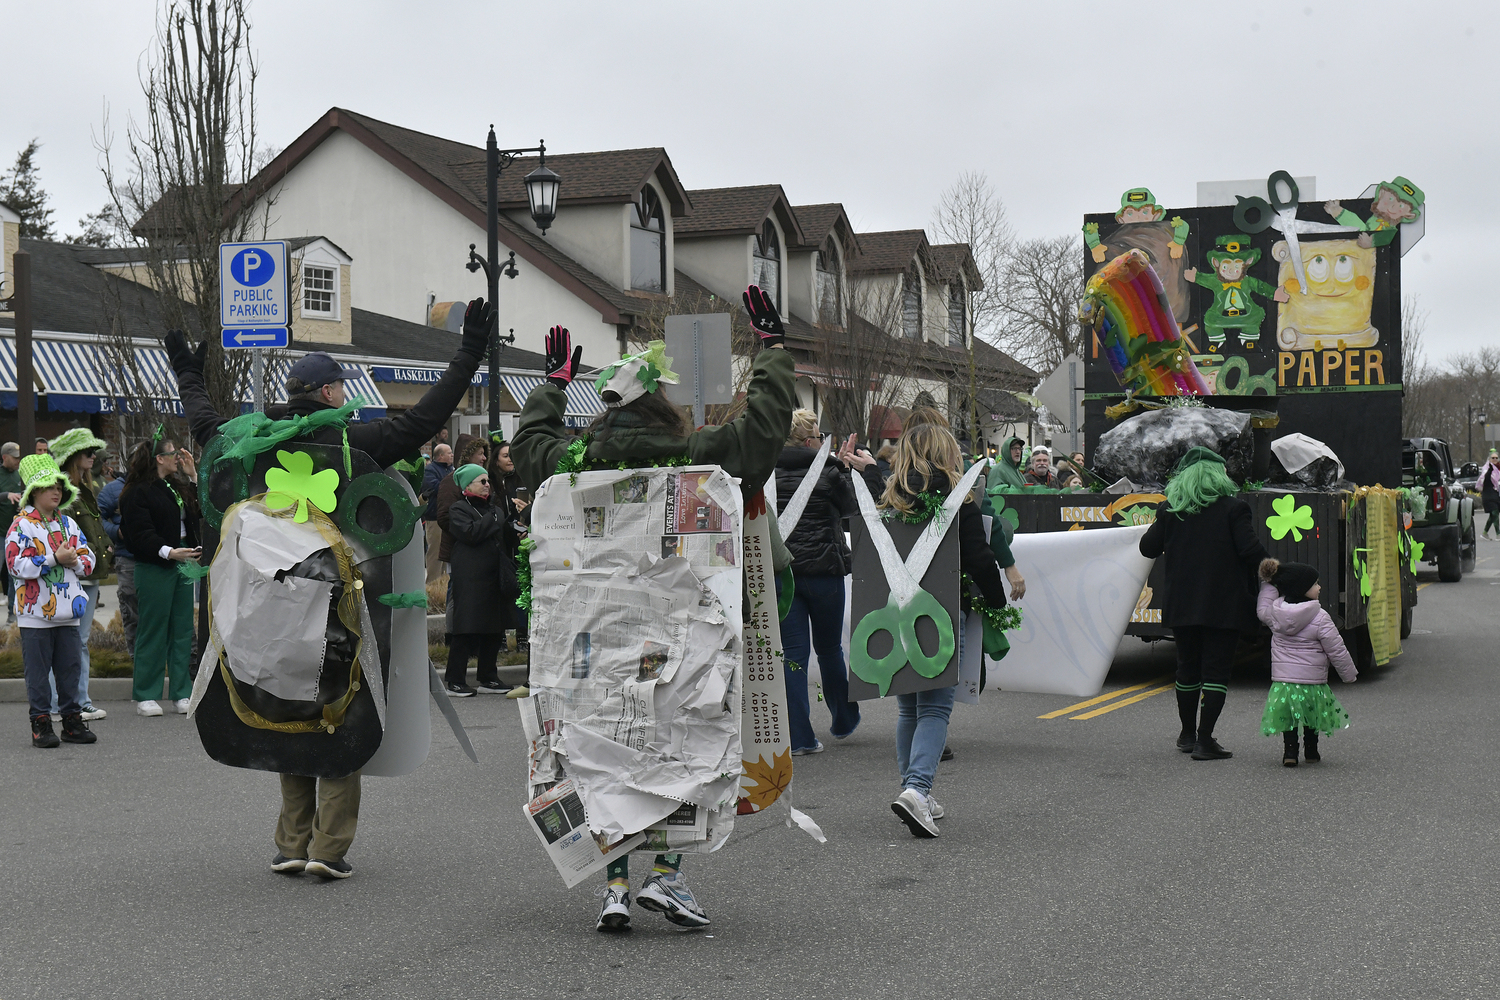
(1081, 587)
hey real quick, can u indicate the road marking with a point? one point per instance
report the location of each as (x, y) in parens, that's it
(1128, 701)
(1107, 696)
(1421, 585)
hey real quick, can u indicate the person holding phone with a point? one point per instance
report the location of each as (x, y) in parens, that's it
(155, 526)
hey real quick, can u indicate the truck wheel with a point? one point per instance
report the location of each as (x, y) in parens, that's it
(1406, 623)
(1469, 555)
(1449, 562)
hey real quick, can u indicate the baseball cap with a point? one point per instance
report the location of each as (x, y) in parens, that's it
(318, 369)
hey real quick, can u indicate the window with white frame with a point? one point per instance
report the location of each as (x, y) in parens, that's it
(830, 297)
(958, 314)
(765, 266)
(648, 243)
(320, 291)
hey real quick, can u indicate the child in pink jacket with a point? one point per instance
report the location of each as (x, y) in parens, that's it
(1304, 641)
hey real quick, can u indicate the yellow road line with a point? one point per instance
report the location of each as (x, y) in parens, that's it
(1128, 701)
(1427, 584)
(1107, 696)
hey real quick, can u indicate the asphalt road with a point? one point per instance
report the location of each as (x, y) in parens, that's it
(1080, 859)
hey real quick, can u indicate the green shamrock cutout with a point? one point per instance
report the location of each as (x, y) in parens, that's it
(296, 483)
(1362, 573)
(1289, 517)
(1416, 554)
(649, 374)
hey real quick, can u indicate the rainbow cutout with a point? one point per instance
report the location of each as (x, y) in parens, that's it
(1126, 307)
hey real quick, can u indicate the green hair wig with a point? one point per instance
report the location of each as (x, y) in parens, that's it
(1199, 485)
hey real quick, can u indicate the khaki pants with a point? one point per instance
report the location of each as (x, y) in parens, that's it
(318, 816)
(434, 536)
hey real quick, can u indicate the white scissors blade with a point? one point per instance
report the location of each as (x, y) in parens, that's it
(903, 585)
(798, 502)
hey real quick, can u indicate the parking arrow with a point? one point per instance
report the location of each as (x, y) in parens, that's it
(242, 337)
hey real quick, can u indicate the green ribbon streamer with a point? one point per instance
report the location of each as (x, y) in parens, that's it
(255, 433)
(192, 570)
(410, 599)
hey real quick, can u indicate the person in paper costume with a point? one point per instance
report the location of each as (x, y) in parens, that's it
(640, 427)
(318, 816)
(1207, 538)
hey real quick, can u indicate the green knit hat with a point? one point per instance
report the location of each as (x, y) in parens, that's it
(71, 441)
(39, 472)
(466, 474)
(1196, 455)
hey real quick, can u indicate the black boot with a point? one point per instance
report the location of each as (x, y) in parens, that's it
(1289, 750)
(42, 736)
(1187, 711)
(1310, 742)
(75, 730)
(1208, 748)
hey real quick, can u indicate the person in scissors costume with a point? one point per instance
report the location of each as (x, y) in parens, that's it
(641, 428)
(926, 466)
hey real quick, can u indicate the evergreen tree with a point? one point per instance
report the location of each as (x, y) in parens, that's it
(104, 228)
(21, 189)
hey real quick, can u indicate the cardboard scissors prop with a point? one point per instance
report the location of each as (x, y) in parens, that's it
(908, 602)
(1284, 221)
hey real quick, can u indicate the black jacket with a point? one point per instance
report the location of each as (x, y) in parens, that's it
(150, 518)
(483, 572)
(974, 554)
(1211, 558)
(386, 441)
(817, 545)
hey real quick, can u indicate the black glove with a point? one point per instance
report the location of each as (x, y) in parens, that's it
(183, 358)
(477, 328)
(763, 316)
(561, 368)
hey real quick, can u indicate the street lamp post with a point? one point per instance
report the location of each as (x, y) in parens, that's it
(541, 192)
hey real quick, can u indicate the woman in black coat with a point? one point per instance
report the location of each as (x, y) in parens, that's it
(483, 573)
(1204, 533)
(158, 525)
(820, 561)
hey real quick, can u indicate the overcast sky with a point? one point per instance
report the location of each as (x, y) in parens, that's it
(876, 105)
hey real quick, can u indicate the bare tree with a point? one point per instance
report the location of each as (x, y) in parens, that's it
(970, 212)
(196, 147)
(651, 324)
(865, 370)
(1043, 284)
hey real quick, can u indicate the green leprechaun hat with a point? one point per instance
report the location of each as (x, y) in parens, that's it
(1407, 192)
(1234, 246)
(1138, 198)
(40, 471)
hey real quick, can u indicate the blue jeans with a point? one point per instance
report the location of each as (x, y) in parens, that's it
(921, 733)
(85, 627)
(818, 607)
(49, 652)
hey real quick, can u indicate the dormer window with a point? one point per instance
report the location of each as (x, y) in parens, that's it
(958, 314)
(320, 292)
(911, 305)
(765, 266)
(830, 284)
(648, 243)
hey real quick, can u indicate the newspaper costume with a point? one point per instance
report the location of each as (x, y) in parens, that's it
(658, 709)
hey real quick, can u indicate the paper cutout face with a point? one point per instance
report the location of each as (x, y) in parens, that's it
(1340, 292)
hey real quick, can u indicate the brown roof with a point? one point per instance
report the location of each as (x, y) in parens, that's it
(888, 251)
(587, 178)
(454, 173)
(153, 221)
(738, 210)
(955, 258)
(818, 221)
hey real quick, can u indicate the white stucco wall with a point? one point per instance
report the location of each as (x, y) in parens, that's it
(719, 263)
(801, 280)
(597, 236)
(405, 243)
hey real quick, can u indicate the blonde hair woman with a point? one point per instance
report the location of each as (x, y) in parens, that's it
(928, 462)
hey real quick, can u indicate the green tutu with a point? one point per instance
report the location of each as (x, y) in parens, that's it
(1308, 706)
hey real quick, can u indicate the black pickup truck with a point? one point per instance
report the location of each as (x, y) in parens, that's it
(1444, 524)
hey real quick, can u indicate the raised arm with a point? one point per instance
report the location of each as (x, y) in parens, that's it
(747, 446)
(541, 438)
(187, 364)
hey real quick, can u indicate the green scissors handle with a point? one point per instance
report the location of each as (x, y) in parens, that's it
(901, 623)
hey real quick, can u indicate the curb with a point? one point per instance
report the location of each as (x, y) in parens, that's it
(13, 689)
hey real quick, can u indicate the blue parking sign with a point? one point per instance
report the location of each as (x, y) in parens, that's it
(254, 294)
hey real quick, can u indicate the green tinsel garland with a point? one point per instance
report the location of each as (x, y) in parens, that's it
(1006, 619)
(523, 575)
(925, 507)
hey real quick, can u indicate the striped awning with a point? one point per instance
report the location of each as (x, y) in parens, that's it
(584, 403)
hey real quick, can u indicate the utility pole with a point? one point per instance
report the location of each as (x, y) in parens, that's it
(25, 373)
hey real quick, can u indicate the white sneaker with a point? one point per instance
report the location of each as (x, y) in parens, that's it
(614, 915)
(147, 708)
(670, 896)
(182, 705)
(912, 809)
(91, 713)
(938, 812)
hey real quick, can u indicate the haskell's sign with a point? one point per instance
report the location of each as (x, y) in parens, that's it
(422, 376)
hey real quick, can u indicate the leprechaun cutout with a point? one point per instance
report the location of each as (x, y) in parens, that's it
(1395, 202)
(1234, 306)
(1137, 205)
